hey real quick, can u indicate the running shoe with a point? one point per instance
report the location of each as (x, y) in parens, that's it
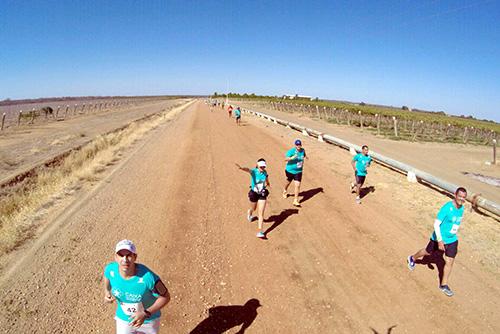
(358, 200)
(261, 235)
(249, 216)
(285, 195)
(446, 290)
(352, 188)
(411, 262)
(296, 203)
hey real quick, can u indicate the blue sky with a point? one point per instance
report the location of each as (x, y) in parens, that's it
(429, 54)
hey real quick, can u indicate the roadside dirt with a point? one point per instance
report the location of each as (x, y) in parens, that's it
(444, 160)
(331, 266)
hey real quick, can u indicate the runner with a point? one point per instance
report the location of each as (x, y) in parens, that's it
(258, 193)
(293, 171)
(359, 163)
(237, 115)
(444, 238)
(139, 292)
(230, 110)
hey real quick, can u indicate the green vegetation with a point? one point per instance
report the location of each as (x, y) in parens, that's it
(402, 114)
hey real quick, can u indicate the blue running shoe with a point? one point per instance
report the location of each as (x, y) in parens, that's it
(446, 290)
(261, 235)
(411, 262)
(249, 216)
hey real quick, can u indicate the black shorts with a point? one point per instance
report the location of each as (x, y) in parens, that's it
(450, 250)
(359, 179)
(254, 197)
(238, 117)
(291, 176)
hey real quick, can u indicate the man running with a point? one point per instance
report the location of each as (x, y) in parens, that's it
(359, 163)
(139, 292)
(444, 238)
(259, 182)
(237, 115)
(293, 171)
(230, 110)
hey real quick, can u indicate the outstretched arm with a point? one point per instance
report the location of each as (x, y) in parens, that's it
(245, 169)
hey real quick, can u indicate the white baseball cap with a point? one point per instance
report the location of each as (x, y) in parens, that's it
(125, 244)
(261, 163)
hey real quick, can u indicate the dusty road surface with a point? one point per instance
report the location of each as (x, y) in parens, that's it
(444, 160)
(331, 266)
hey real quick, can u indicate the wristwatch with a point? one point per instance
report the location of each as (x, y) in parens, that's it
(148, 314)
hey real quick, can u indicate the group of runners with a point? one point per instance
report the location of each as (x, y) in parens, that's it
(140, 293)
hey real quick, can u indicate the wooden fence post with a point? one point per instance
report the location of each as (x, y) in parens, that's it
(348, 118)
(317, 112)
(19, 117)
(494, 151)
(32, 116)
(3, 119)
(360, 120)
(378, 124)
(395, 125)
(57, 111)
(83, 109)
(66, 111)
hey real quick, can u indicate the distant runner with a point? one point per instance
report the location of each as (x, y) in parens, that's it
(237, 115)
(444, 238)
(258, 193)
(230, 110)
(359, 163)
(139, 292)
(293, 171)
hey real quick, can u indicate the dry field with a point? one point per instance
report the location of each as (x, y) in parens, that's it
(331, 266)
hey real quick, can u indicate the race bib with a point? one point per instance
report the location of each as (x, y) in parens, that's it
(299, 164)
(258, 188)
(454, 229)
(131, 308)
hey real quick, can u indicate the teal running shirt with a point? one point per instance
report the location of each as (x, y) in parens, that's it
(133, 294)
(296, 165)
(362, 161)
(258, 180)
(450, 218)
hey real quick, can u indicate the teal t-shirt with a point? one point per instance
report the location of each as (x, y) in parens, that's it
(296, 165)
(450, 218)
(362, 161)
(258, 180)
(237, 113)
(135, 293)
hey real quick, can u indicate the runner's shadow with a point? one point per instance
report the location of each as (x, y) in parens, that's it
(223, 318)
(279, 219)
(308, 194)
(365, 191)
(436, 258)
(389, 330)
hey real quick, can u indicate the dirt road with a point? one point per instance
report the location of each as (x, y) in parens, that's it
(331, 266)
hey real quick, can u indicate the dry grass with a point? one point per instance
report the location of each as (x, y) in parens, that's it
(22, 206)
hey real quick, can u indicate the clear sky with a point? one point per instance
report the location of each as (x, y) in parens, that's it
(429, 54)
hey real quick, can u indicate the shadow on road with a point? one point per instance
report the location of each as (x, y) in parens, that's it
(223, 318)
(436, 258)
(279, 219)
(389, 330)
(308, 194)
(365, 191)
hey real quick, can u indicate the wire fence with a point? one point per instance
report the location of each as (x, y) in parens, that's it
(57, 111)
(388, 126)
